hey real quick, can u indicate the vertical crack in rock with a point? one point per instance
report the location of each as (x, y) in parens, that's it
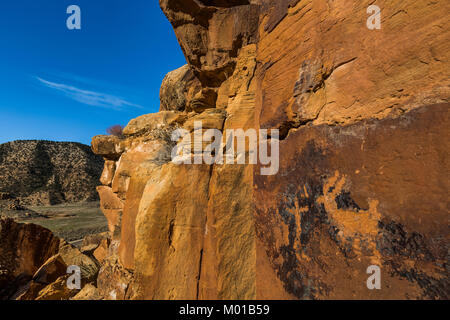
(199, 273)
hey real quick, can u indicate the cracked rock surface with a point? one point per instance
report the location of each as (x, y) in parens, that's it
(363, 179)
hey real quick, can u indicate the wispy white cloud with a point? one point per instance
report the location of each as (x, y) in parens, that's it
(92, 98)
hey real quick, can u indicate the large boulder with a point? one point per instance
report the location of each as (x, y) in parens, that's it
(89, 292)
(24, 248)
(178, 89)
(152, 121)
(72, 256)
(34, 263)
(57, 290)
(108, 147)
(51, 270)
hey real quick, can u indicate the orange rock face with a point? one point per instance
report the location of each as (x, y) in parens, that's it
(363, 177)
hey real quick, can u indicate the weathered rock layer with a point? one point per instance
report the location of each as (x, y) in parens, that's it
(363, 178)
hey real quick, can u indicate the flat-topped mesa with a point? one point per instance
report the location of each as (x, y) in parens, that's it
(358, 110)
(38, 172)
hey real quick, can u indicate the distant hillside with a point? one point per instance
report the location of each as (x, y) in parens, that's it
(46, 172)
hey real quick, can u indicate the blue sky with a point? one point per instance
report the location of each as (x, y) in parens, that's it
(69, 85)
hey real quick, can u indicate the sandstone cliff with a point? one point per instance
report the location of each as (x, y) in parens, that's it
(363, 179)
(46, 172)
